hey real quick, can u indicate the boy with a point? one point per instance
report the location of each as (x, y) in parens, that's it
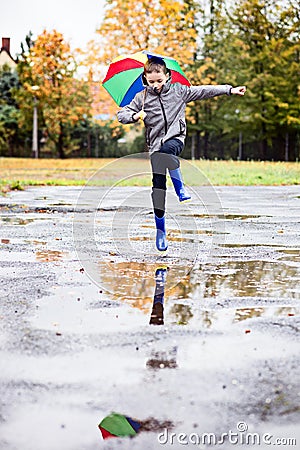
(162, 108)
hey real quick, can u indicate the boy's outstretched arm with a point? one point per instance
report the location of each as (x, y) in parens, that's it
(239, 90)
(203, 92)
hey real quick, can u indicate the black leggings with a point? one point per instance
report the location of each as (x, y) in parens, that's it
(165, 158)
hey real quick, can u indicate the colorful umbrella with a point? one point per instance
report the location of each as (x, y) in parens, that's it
(124, 76)
(118, 425)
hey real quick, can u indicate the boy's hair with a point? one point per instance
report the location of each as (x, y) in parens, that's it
(155, 64)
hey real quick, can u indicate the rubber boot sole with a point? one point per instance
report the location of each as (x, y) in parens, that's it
(162, 253)
(185, 201)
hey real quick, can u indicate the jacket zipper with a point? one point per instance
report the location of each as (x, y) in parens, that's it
(164, 114)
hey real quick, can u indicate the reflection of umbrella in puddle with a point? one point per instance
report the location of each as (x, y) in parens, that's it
(119, 425)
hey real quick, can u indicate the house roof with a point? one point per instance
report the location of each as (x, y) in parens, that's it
(5, 56)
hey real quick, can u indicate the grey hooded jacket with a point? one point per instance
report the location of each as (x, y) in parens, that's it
(166, 110)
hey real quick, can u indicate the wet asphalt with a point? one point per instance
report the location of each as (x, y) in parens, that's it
(79, 278)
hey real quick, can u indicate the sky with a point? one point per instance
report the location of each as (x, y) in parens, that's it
(77, 20)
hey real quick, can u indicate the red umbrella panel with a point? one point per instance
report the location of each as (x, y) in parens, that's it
(124, 76)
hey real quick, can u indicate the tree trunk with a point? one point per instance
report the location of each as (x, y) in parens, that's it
(89, 144)
(60, 144)
(205, 149)
(198, 145)
(193, 147)
(286, 147)
(10, 147)
(240, 151)
(264, 144)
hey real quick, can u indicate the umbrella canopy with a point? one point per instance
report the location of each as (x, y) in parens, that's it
(124, 76)
(118, 425)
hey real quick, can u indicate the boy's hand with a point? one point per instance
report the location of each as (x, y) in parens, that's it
(139, 115)
(239, 90)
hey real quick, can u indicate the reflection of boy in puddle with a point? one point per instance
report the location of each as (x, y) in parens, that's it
(157, 314)
(167, 358)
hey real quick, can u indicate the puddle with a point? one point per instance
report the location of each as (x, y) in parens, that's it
(26, 220)
(15, 220)
(36, 242)
(50, 255)
(181, 314)
(248, 279)
(70, 309)
(249, 245)
(192, 312)
(61, 204)
(239, 216)
(184, 305)
(31, 255)
(228, 216)
(278, 311)
(184, 313)
(292, 255)
(171, 232)
(132, 282)
(171, 238)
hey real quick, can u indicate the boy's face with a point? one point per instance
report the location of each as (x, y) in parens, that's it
(156, 79)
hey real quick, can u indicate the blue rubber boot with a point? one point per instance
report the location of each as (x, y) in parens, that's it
(177, 181)
(161, 239)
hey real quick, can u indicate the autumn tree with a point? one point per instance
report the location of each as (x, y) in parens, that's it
(256, 43)
(158, 25)
(201, 115)
(264, 48)
(253, 42)
(47, 72)
(8, 111)
(129, 26)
